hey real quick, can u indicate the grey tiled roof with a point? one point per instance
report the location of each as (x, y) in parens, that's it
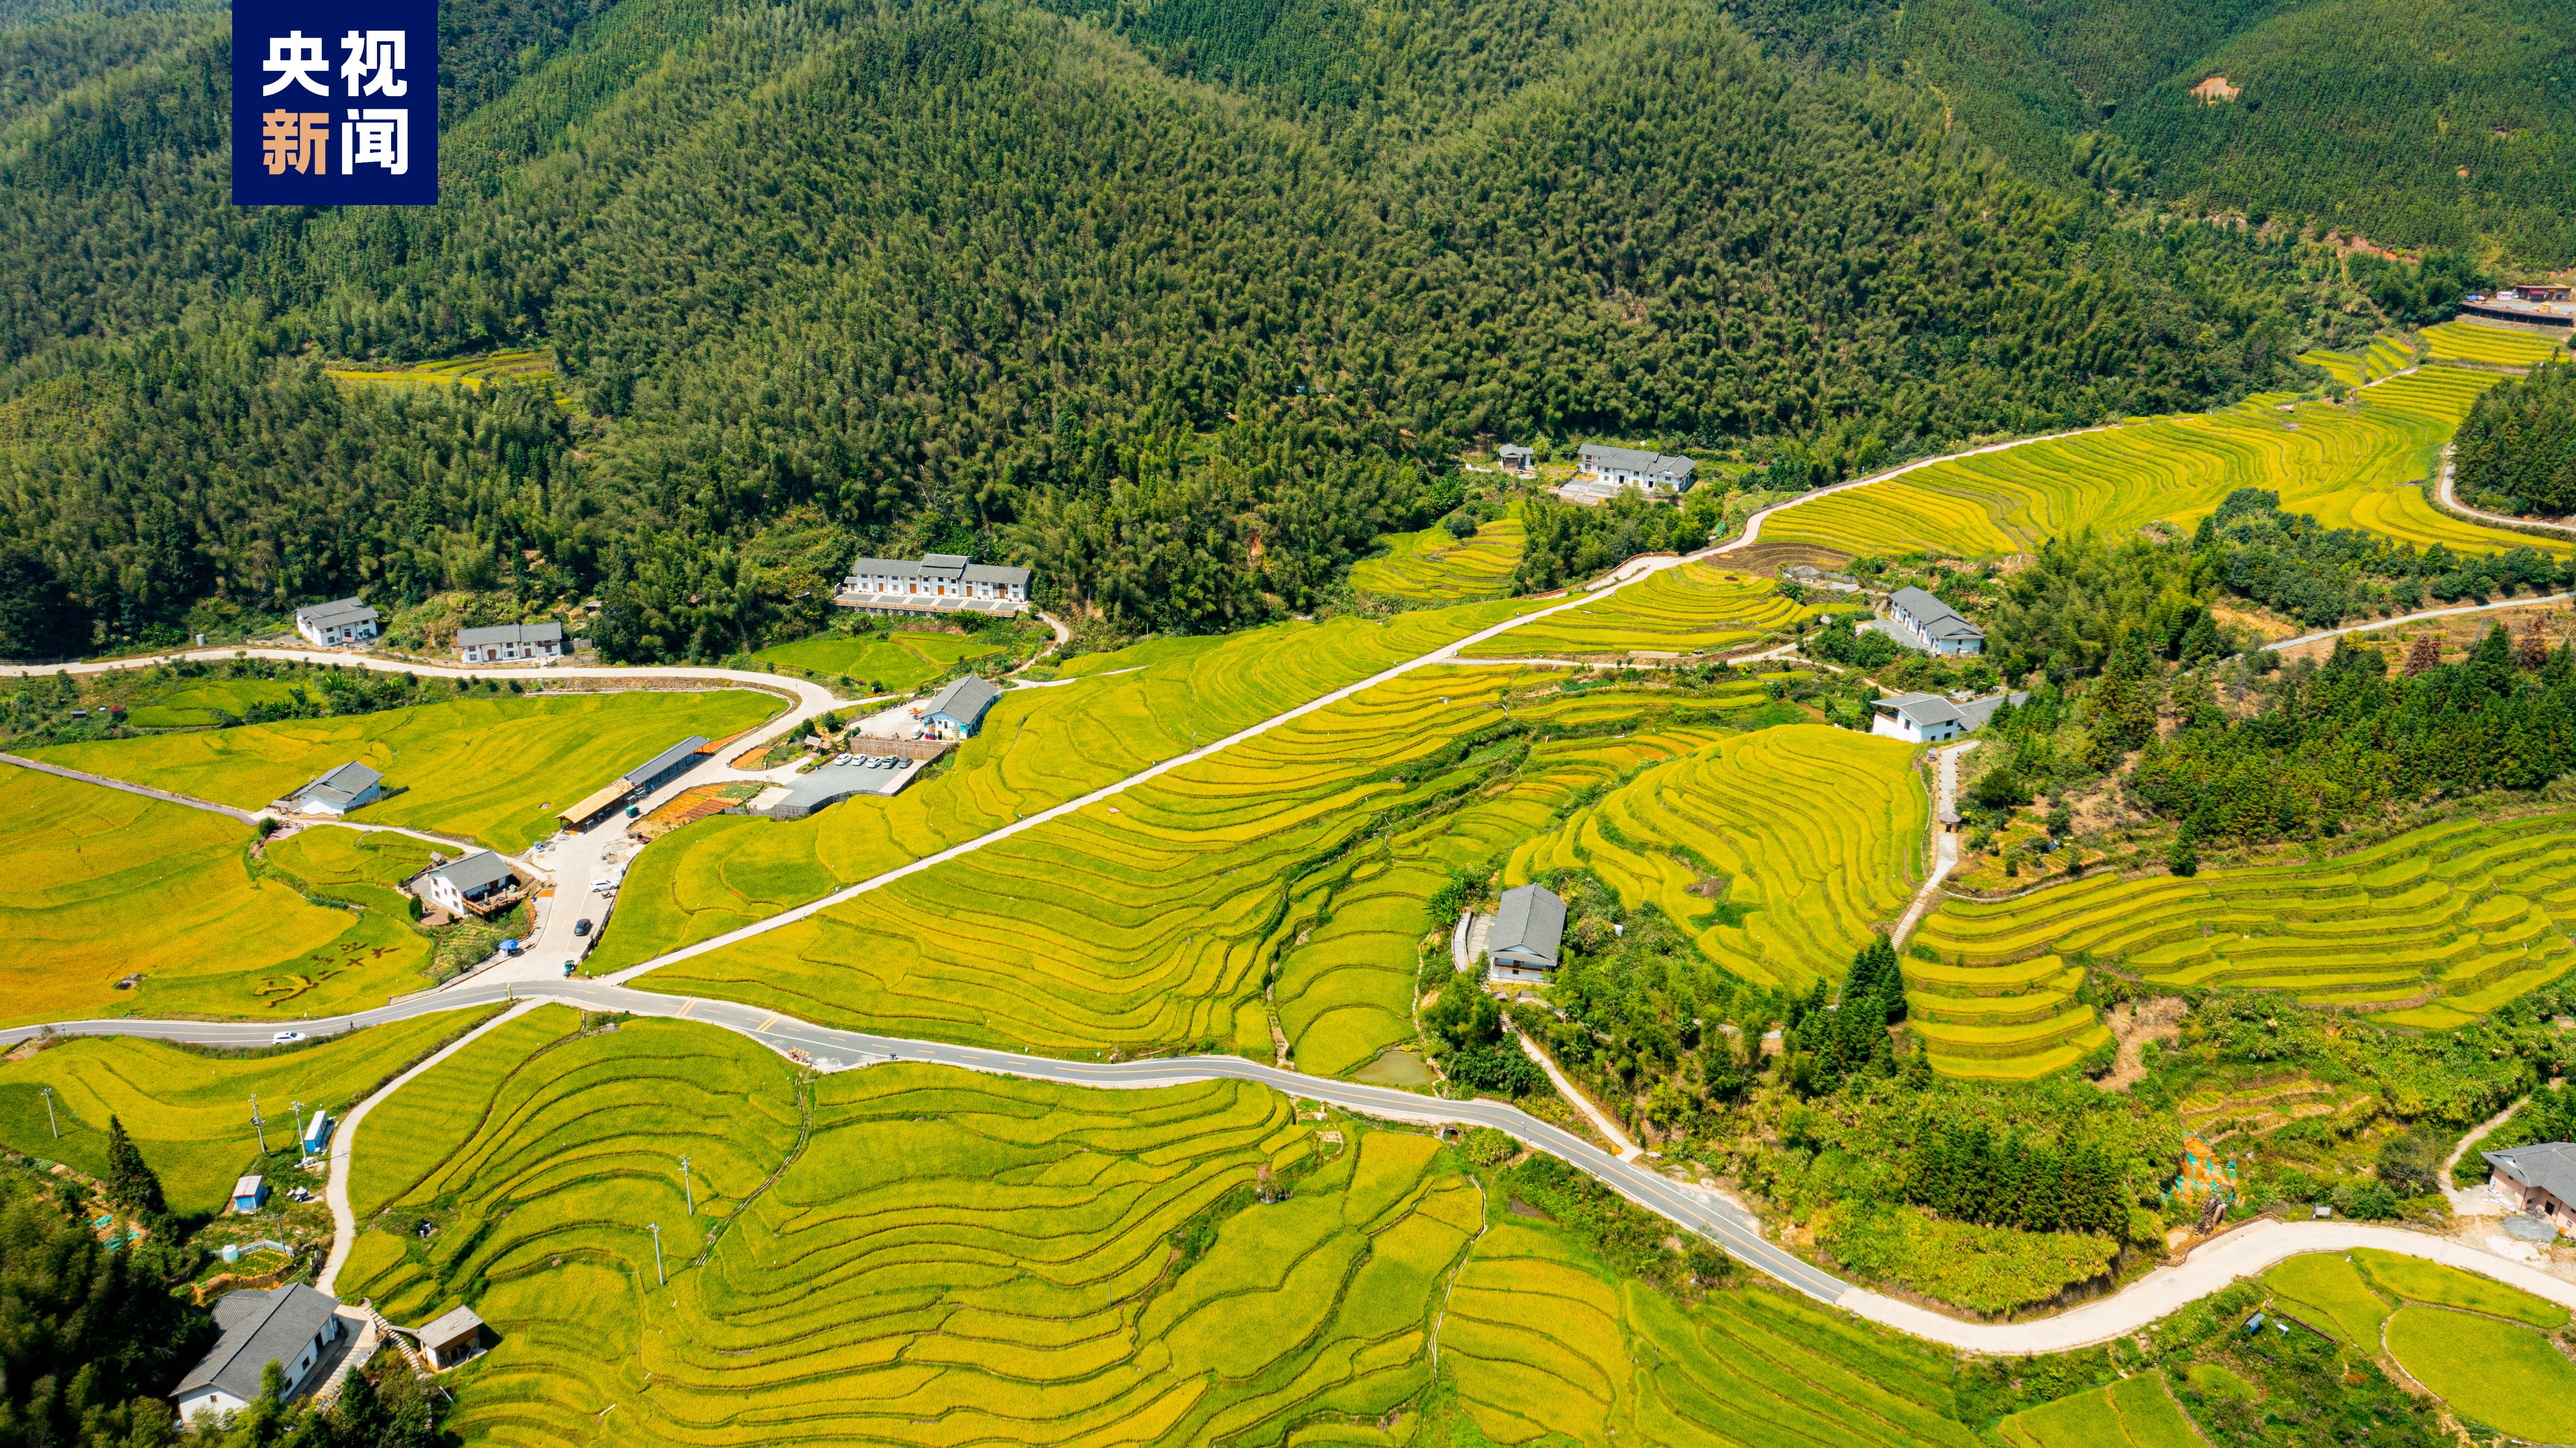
(1531, 918)
(2550, 1166)
(476, 871)
(1636, 460)
(335, 613)
(964, 700)
(510, 633)
(1933, 618)
(668, 757)
(258, 1328)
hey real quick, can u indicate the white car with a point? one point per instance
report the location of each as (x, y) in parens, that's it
(287, 1038)
(602, 885)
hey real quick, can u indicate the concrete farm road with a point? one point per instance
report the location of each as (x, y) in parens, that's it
(2210, 1268)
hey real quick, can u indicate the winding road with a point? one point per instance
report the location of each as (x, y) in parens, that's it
(2209, 1269)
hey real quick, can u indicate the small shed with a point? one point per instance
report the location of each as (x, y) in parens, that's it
(339, 790)
(1529, 925)
(957, 711)
(317, 1133)
(452, 1337)
(249, 1193)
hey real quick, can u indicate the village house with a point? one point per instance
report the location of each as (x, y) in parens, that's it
(1516, 459)
(347, 787)
(292, 1326)
(957, 711)
(937, 583)
(1921, 621)
(341, 621)
(1529, 927)
(1629, 467)
(451, 1338)
(2540, 1180)
(1930, 719)
(479, 883)
(503, 643)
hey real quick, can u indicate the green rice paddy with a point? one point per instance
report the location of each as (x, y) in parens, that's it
(197, 703)
(2497, 346)
(902, 661)
(1697, 608)
(2138, 1412)
(189, 1114)
(1152, 919)
(904, 1253)
(1433, 567)
(2498, 1374)
(2328, 1292)
(2360, 466)
(1776, 851)
(1038, 748)
(97, 885)
(491, 769)
(2433, 928)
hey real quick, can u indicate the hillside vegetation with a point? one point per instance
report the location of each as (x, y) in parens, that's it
(920, 276)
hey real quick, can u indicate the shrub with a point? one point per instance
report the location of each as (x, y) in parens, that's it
(2183, 859)
(1486, 1146)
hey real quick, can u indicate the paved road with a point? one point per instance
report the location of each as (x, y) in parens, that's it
(2210, 1268)
(2451, 501)
(163, 795)
(2376, 626)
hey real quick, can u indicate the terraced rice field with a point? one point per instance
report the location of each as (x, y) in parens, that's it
(490, 769)
(1433, 567)
(97, 884)
(467, 372)
(939, 1256)
(1698, 608)
(190, 1114)
(1039, 747)
(2499, 346)
(1151, 920)
(902, 661)
(1541, 1340)
(1776, 851)
(2383, 357)
(2435, 927)
(2358, 466)
(2136, 1412)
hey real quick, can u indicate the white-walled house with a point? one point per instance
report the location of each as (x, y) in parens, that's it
(936, 583)
(1650, 472)
(341, 621)
(503, 643)
(340, 790)
(1931, 719)
(1528, 930)
(292, 1326)
(461, 885)
(1918, 618)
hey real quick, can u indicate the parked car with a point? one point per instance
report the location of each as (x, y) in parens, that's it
(581, 927)
(287, 1038)
(602, 885)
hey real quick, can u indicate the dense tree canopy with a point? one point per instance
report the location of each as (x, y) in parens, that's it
(2517, 449)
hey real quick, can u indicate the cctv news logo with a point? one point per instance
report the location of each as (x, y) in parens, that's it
(335, 105)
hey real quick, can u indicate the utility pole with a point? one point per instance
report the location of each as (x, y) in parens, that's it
(299, 1126)
(258, 1125)
(687, 1187)
(49, 1112)
(658, 1274)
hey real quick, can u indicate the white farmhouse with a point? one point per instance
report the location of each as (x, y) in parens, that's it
(1632, 468)
(341, 621)
(292, 1326)
(1930, 719)
(506, 642)
(476, 883)
(350, 786)
(1918, 619)
(936, 583)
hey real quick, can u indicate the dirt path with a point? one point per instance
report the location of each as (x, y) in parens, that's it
(1945, 843)
(2475, 1201)
(1624, 1147)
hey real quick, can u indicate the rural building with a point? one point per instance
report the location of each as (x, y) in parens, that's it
(1923, 622)
(481, 883)
(341, 621)
(957, 711)
(451, 1338)
(1515, 458)
(938, 583)
(350, 786)
(2538, 292)
(2549, 315)
(644, 778)
(505, 642)
(1930, 719)
(2539, 1179)
(292, 1326)
(1629, 467)
(1529, 925)
(248, 1194)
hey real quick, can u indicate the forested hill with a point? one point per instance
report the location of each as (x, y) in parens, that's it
(1181, 310)
(2414, 123)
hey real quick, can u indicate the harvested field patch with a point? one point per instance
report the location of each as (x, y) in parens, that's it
(491, 769)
